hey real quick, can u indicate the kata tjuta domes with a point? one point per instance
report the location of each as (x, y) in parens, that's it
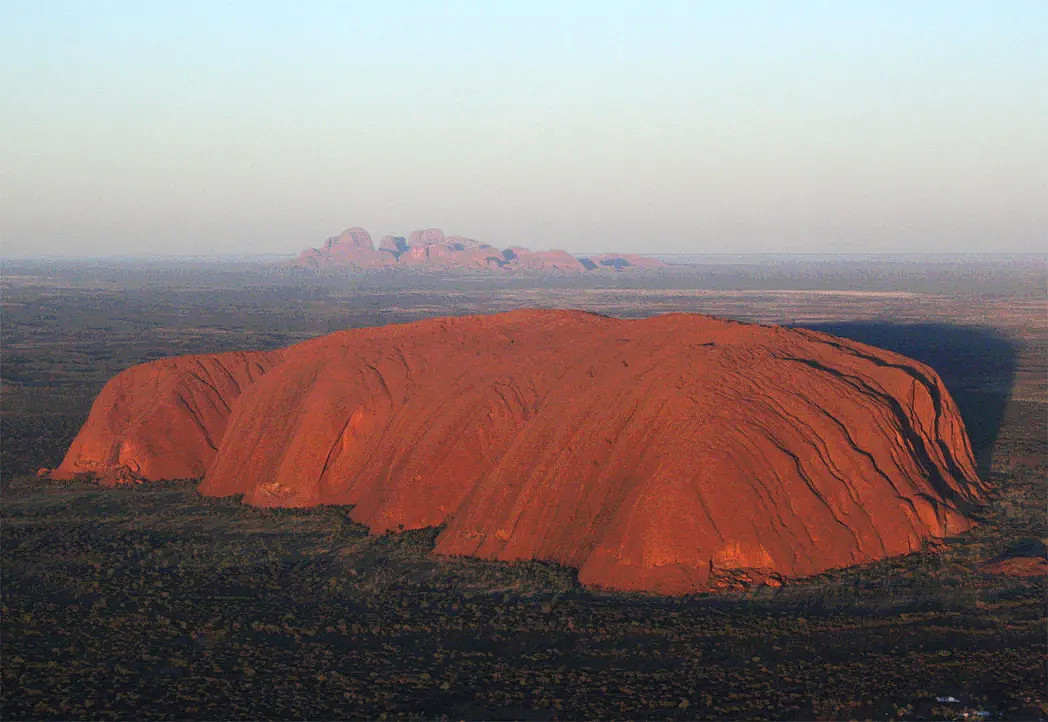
(430, 250)
(671, 454)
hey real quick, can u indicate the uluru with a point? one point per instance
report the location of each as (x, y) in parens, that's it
(672, 454)
(429, 249)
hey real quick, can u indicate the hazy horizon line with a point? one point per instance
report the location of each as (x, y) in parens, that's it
(778, 254)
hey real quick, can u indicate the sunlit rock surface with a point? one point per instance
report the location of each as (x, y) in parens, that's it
(672, 454)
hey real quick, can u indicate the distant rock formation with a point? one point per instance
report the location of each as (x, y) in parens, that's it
(672, 454)
(430, 249)
(351, 238)
(426, 237)
(619, 261)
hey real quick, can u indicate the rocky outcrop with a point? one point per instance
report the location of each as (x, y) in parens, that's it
(351, 249)
(542, 260)
(620, 262)
(351, 238)
(1025, 558)
(426, 237)
(430, 249)
(672, 454)
(163, 419)
(394, 244)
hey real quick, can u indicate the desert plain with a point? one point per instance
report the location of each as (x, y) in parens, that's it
(153, 601)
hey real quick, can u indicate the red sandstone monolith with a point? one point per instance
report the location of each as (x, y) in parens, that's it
(671, 454)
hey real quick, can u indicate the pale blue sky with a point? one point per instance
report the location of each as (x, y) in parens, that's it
(689, 127)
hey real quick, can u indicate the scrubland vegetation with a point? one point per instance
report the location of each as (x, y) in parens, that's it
(156, 602)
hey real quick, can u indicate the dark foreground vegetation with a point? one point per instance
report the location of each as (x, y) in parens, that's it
(154, 602)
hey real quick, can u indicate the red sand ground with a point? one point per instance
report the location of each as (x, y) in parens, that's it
(671, 454)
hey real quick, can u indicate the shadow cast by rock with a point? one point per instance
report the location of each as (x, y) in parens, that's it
(977, 365)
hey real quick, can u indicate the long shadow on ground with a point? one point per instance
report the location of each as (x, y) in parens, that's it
(976, 364)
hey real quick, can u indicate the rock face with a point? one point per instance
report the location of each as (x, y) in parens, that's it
(430, 249)
(672, 454)
(426, 237)
(356, 238)
(163, 419)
